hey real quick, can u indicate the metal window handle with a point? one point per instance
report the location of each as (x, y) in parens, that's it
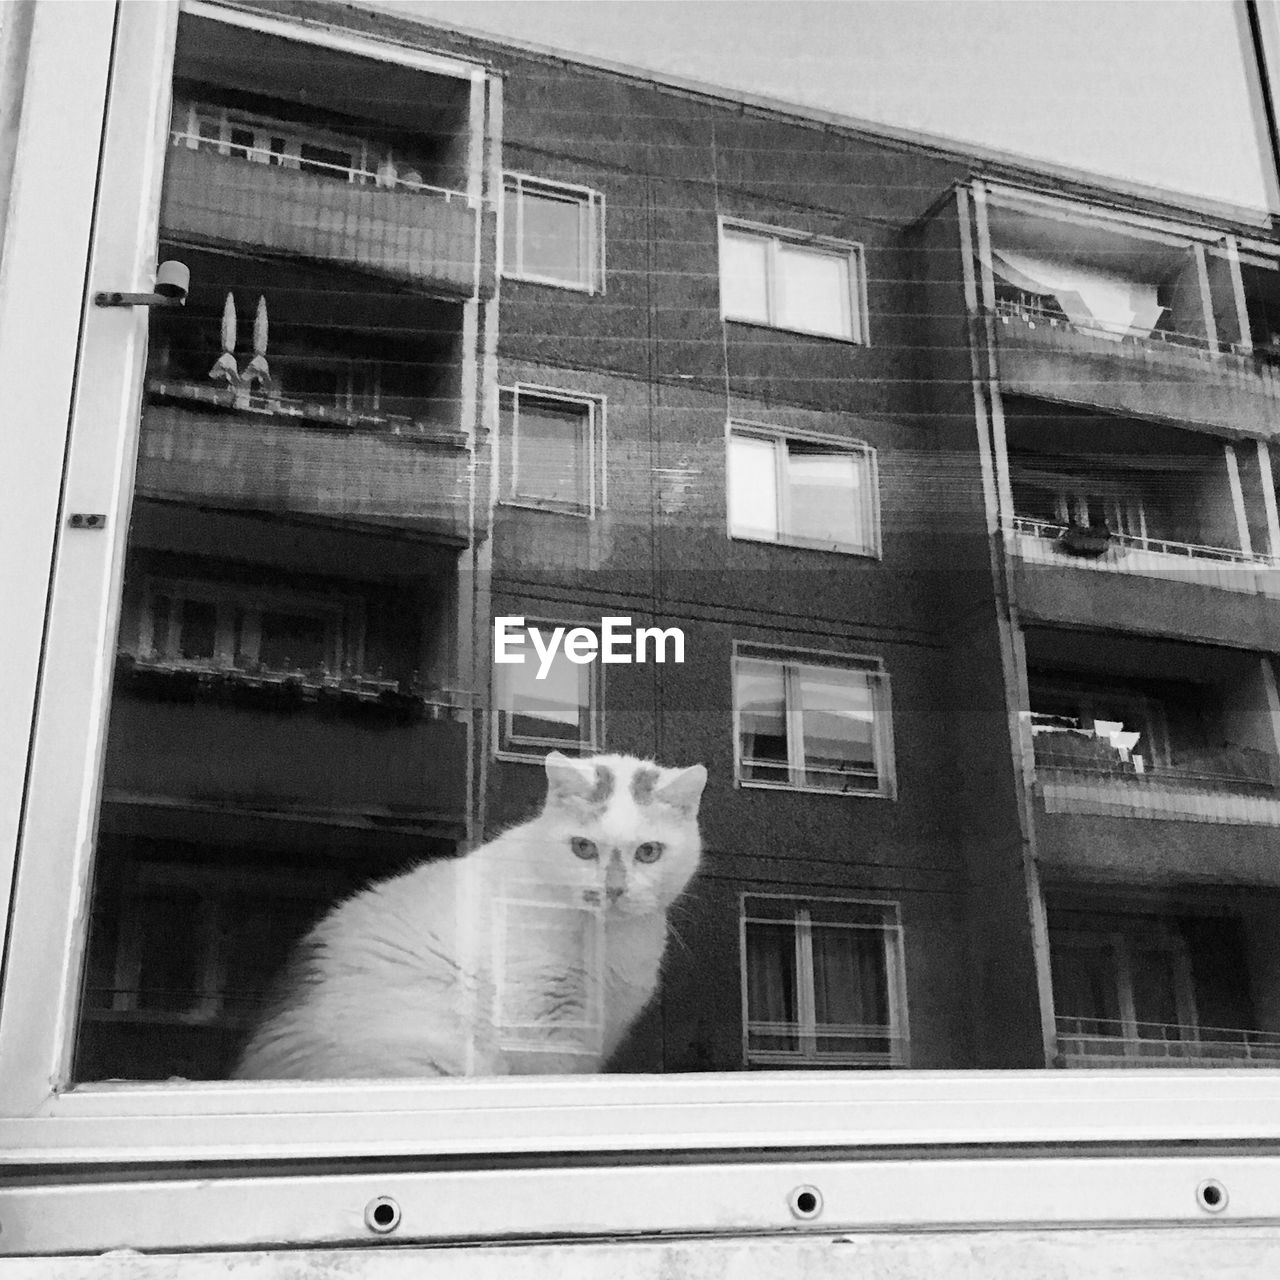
(173, 282)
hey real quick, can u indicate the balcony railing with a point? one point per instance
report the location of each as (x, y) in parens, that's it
(1077, 771)
(425, 234)
(1101, 1042)
(1041, 542)
(1032, 313)
(1162, 377)
(247, 460)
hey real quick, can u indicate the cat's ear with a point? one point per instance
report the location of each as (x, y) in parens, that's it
(569, 777)
(683, 789)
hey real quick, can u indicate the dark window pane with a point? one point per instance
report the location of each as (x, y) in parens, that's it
(334, 162)
(771, 985)
(292, 640)
(199, 629)
(169, 955)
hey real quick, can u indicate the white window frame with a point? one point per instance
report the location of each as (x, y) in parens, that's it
(1025, 1136)
(597, 448)
(591, 230)
(773, 237)
(780, 438)
(793, 663)
(807, 1029)
(534, 750)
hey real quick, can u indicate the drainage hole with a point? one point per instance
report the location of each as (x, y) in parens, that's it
(805, 1202)
(1212, 1195)
(382, 1214)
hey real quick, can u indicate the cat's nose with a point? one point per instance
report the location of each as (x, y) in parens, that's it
(615, 878)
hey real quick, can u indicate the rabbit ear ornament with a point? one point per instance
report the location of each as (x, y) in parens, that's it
(225, 369)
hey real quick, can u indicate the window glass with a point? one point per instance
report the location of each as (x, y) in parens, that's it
(286, 723)
(838, 723)
(552, 234)
(772, 986)
(553, 452)
(543, 708)
(778, 280)
(552, 238)
(762, 719)
(753, 487)
(819, 978)
(850, 989)
(813, 291)
(825, 502)
(744, 280)
(810, 725)
(823, 498)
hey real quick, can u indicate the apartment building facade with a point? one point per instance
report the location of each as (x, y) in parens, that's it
(955, 479)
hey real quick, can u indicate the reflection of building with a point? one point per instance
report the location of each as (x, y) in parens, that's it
(960, 490)
(291, 704)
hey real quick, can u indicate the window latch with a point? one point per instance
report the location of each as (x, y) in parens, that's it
(173, 282)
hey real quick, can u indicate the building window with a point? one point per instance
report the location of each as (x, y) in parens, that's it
(801, 491)
(822, 983)
(553, 233)
(553, 449)
(791, 281)
(817, 722)
(560, 711)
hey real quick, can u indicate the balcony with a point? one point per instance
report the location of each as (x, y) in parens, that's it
(1097, 1042)
(425, 235)
(1049, 543)
(307, 747)
(214, 447)
(1165, 377)
(1077, 771)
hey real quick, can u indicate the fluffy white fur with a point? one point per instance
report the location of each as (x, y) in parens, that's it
(524, 956)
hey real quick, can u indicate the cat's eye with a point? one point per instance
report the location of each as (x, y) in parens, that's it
(584, 848)
(650, 851)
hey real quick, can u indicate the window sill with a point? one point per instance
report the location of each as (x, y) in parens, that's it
(881, 794)
(811, 544)
(844, 340)
(583, 749)
(574, 286)
(526, 504)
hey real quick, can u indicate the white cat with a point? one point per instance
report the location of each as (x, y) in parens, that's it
(532, 954)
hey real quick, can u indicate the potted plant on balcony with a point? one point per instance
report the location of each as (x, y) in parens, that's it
(1086, 539)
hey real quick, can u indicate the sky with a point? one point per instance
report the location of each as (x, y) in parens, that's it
(1151, 91)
